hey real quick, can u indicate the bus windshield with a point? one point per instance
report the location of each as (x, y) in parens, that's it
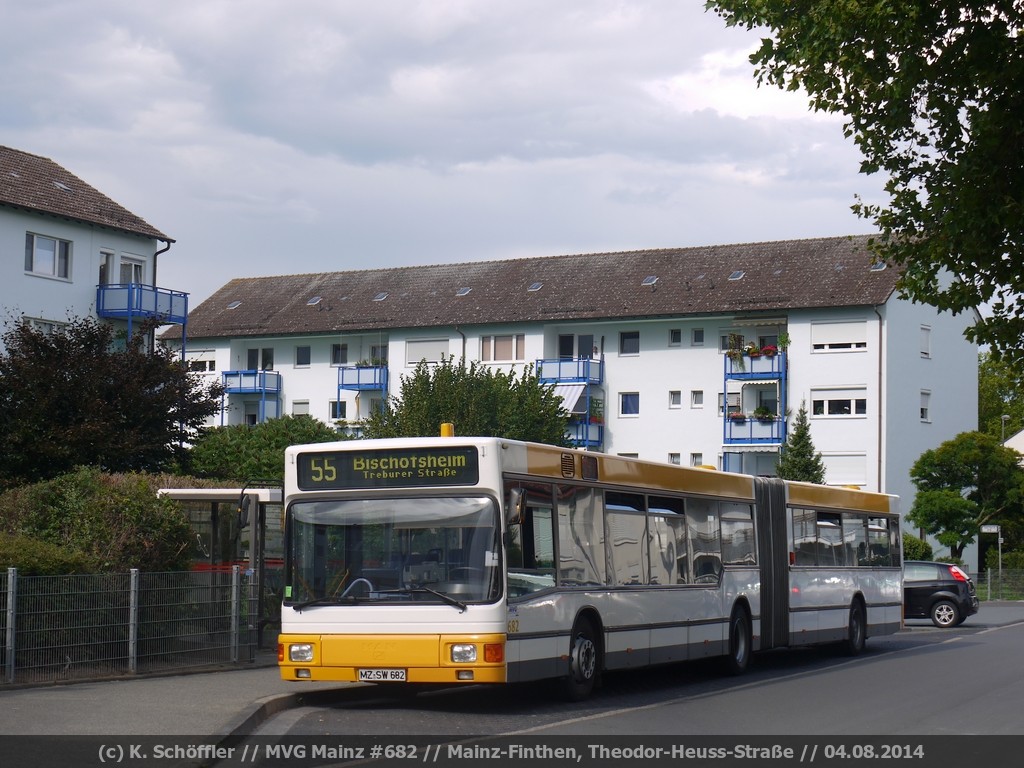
(385, 550)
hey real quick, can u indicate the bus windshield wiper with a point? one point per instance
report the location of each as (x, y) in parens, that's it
(323, 600)
(440, 595)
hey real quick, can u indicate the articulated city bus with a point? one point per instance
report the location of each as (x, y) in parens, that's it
(479, 560)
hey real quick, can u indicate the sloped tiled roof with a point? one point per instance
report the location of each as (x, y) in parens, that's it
(831, 272)
(38, 184)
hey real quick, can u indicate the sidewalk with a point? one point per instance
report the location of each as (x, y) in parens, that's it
(216, 704)
(230, 701)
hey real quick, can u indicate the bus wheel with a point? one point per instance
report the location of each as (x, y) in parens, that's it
(583, 662)
(856, 632)
(738, 660)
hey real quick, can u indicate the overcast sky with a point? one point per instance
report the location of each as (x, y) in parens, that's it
(283, 136)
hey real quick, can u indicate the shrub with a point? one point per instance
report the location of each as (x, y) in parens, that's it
(33, 557)
(115, 521)
(915, 548)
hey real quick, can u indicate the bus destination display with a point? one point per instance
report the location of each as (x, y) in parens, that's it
(396, 468)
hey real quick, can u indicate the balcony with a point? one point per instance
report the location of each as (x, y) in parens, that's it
(757, 367)
(753, 431)
(565, 370)
(251, 382)
(265, 384)
(362, 378)
(128, 301)
(583, 434)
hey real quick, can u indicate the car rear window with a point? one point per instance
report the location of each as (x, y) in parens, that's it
(920, 572)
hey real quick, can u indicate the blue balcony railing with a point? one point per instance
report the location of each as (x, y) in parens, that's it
(251, 382)
(363, 377)
(759, 367)
(135, 300)
(583, 434)
(751, 430)
(570, 369)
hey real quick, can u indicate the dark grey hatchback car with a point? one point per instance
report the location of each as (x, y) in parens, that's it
(942, 592)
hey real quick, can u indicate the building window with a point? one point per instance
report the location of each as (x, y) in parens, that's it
(46, 327)
(839, 337)
(133, 271)
(839, 402)
(503, 348)
(629, 343)
(260, 359)
(675, 399)
(300, 408)
(733, 400)
(697, 337)
(675, 337)
(47, 256)
(302, 357)
(697, 398)
(926, 401)
(339, 354)
(629, 403)
(202, 366)
(338, 409)
(674, 458)
(379, 354)
(429, 350)
(696, 459)
(926, 341)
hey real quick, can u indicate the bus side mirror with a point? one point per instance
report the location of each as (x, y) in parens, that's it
(243, 510)
(516, 507)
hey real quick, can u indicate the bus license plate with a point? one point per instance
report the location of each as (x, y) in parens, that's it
(382, 675)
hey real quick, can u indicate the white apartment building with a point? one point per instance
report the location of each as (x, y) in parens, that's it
(69, 251)
(637, 344)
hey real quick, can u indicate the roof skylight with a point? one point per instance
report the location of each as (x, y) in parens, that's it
(737, 275)
(381, 296)
(234, 305)
(650, 280)
(463, 291)
(877, 266)
(313, 301)
(535, 287)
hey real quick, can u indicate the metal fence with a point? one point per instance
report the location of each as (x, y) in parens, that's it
(1000, 584)
(65, 628)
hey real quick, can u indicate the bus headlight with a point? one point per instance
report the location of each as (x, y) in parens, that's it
(300, 652)
(463, 653)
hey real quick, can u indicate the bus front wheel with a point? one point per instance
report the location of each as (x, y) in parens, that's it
(856, 631)
(738, 659)
(583, 661)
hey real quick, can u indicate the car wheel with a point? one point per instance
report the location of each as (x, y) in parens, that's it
(738, 659)
(856, 632)
(945, 614)
(583, 662)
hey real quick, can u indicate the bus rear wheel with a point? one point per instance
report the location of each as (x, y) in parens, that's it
(584, 658)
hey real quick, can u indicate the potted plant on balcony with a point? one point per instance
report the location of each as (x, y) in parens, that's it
(769, 350)
(737, 417)
(764, 413)
(752, 350)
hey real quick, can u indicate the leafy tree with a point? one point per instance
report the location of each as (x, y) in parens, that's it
(1000, 393)
(241, 453)
(963, 484)
(931, 94)
(799, 460)
(478, 400)
(73, 398)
